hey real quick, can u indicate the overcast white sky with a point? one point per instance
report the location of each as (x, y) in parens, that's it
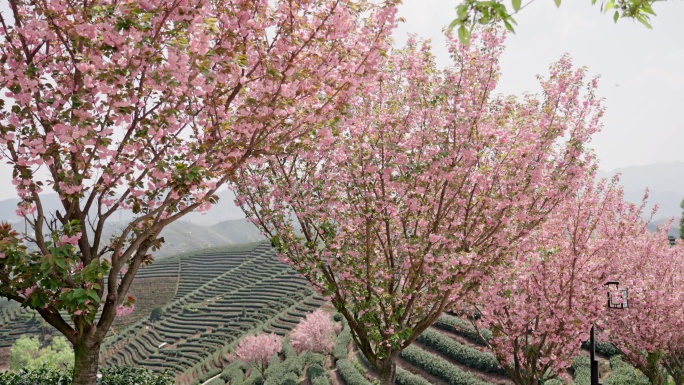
(642, 70)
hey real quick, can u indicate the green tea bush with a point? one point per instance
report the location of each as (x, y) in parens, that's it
(115, 375)
(463, 328)
(317, 375)
(342, 342)
(125, 375)
(254, 378)
(233, 374)
(349, 374)
(288, 371)
(289, 379)
(624, 373)
(439, 367)
(211, 373)
(581, 368)
(603, 348)
(464, 354)
(405, 377)
(313, 358)
(44, 375)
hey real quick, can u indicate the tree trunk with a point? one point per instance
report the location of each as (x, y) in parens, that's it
(86, 361)
(388, 371)
(656, 378)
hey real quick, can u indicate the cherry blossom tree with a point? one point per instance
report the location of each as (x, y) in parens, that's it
(316, 333)
(397, 208)
(541, 304)
(258, 349)
(673, 359)
(149, 107)
(651, 328)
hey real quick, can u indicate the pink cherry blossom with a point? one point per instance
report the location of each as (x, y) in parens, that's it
(123, 310)
(147, 109)
(258, 349)
(401, 206)
(542, 302)
(315, 333)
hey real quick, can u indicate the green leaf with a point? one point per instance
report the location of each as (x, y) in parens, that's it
(516, 4)
(463, 35)
(558, 2)
(61, 263)
(454, 24)
(609, 5)
(92, 294)
(508, 25)
(646, 8)
(644, 21)
(616, 16)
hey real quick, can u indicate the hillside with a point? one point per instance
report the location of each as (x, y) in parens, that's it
(223, 225)
(207, 300)
(224, 210)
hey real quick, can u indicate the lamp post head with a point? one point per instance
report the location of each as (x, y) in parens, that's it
(617, 298)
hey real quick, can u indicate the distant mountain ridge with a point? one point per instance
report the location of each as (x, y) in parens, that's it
(224, 210)
(664, 180)
(225, 223)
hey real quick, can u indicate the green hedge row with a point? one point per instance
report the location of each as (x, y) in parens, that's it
(439, 367)
(624, 374)
(604, 348)
(463, 328)
(581, 370)
(342, 342)
(208, 375)
(349, 374)
(233, 374)
(405, 377)
(115, 375)
(317, 375)
(464, 354)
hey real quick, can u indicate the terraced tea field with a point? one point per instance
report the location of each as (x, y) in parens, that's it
(452, 353)
(222, 294)
(209, 299)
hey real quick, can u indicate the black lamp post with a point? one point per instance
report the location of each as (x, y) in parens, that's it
(612, 304)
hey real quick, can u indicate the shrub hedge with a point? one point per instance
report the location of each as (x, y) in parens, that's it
(624, 373)
(317, 375)
(349, 374)
(404, 377)
(115, 375)
(466, 355)
(233, 373)
(604, 348)
(439, 367)
(342, 342)
(581, 368)
(463, 328)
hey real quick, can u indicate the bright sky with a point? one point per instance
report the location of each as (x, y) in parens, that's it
(642, 70)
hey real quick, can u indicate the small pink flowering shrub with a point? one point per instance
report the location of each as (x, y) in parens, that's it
(258, 349)
(316, 333)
